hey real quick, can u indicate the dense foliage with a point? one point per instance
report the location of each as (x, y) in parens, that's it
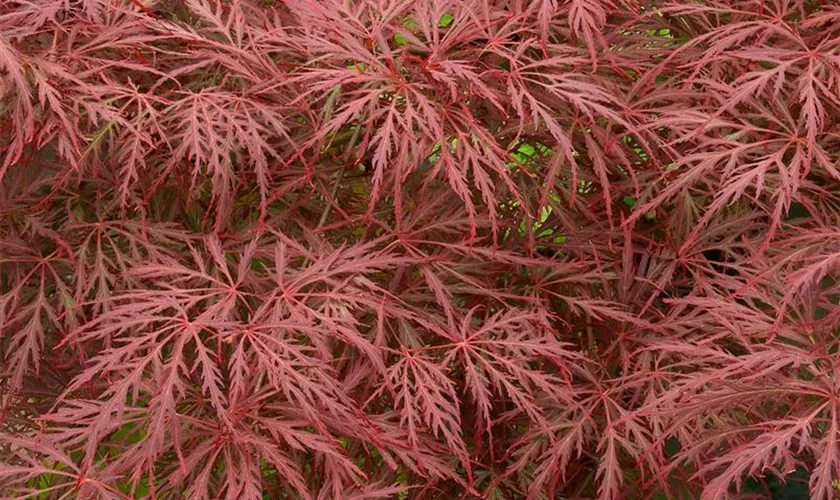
(438, 249)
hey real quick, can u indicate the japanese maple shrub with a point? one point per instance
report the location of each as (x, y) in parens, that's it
(427, 249)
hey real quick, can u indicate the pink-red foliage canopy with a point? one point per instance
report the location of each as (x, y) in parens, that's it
(428, 249)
